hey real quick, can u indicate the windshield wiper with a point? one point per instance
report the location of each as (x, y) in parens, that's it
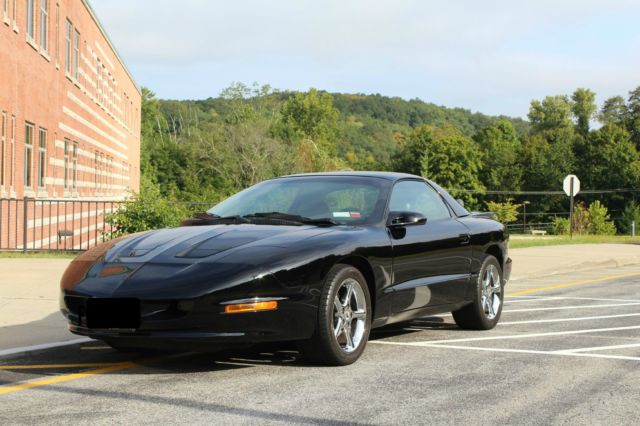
(325, 221)
(205, 218)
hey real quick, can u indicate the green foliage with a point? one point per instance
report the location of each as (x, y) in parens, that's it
(631, 213)
(583, 108)
(309, 116)
(205, 150)
(633, 115)
(444, 155)
(507, 212)
(614, 111)
(501, 151)
(147, 210)
(610, 159)
(586, 221)
(560, 225)
(554, 112)
(600, 221)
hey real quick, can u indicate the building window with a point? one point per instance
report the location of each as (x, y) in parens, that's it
(44, 25)
(31, 19)
(98, 80)
(67, 48)
(42, 158)
(66, 163)
(96, 170)
(12, 150)
(75, 165)
(3, 143)
(28, 155)
(76, 53)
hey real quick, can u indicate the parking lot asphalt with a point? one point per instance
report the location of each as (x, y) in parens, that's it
(567, 351)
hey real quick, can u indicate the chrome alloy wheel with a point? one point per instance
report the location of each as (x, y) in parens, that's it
(349, 315)
(491, 292)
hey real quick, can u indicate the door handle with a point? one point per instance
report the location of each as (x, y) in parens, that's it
(464, 239)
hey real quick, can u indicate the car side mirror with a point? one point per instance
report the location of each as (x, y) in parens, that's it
(402, 219)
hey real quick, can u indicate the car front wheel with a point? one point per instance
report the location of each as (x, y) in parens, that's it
(344, 319)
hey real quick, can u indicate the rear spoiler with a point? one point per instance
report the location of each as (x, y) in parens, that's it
(485, 215)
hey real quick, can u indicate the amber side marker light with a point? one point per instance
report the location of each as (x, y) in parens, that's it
(239, 308)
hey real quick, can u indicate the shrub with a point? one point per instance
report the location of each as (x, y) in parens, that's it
(601, 224)
(506, 212)
(560, 225)
(631, 213)
(147, 210)
(594, 220)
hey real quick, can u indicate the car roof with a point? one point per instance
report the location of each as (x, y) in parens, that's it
(393, 176)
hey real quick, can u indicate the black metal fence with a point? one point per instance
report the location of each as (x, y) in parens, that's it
(63, 225)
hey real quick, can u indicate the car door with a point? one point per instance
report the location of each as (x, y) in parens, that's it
(431, 261)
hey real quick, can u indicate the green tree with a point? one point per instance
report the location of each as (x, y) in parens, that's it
(600, 221)
(583, 109)
(633, 115)
(445, 155)
(147, 210)
(611, 160)
(500, 149)
(310, 116)
(631, 213)
(614, 111)
(547, 158)
(506, 212)
(553, 112)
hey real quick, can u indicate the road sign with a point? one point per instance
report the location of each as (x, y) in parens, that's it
(571, 186)
(566, 185)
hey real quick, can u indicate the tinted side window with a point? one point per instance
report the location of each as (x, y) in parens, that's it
(418, 197)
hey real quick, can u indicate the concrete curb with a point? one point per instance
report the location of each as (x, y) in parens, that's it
(583, 266)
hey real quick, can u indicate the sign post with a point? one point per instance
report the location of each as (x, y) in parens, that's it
(571, 187)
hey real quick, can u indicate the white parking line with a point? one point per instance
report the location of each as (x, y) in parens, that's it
(600, 348)
(527, 336)
(543, 298)
(567, 319)
(43, 346)
(519, 351)
(557, 308)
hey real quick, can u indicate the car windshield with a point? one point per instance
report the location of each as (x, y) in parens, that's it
(346, 200)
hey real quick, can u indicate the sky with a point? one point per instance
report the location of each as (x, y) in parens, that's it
(488, 56)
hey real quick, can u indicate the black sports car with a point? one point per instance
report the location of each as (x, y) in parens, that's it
(316, 258)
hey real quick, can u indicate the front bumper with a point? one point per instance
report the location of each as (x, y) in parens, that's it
(506, 271)
(196, 324)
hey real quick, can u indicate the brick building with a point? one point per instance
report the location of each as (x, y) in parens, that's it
(70, 124)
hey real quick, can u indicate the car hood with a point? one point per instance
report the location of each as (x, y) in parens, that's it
(189, 260)
(189, 244)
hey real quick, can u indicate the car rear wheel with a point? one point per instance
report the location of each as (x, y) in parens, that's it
(344, 319)
(484, 312)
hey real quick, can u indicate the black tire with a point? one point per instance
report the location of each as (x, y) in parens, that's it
(324, 347)
(479, 315)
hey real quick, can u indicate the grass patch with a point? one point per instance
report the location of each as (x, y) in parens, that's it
(522, 241)
(37, 255)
